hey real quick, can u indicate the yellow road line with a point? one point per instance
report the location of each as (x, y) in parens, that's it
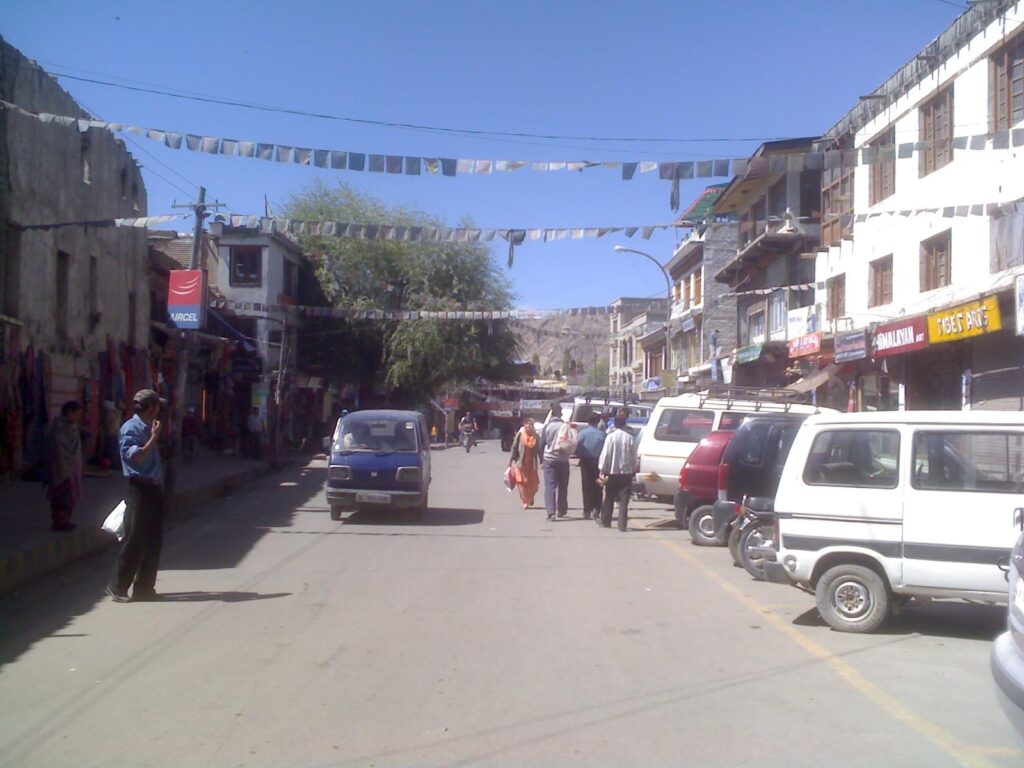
(965, 754)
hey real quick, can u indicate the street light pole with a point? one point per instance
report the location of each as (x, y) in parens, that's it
(668, 297)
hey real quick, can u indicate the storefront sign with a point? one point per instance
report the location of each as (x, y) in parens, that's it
(749, 354)
(965, 321)
(808, 344)
(688, 324)
(186, 298)
(1019, 294)
(801, 322)
(902, 336)
(851, 346)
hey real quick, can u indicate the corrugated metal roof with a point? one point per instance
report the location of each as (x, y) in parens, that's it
(703, 207)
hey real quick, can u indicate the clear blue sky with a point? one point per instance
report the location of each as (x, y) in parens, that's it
(683, 70)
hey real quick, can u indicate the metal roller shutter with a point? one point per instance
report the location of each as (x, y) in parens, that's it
(997, 381)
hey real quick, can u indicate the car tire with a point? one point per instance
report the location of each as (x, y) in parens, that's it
(335, 514)
(701, 525)
(852, 598)
(753, 535)
(734, 545)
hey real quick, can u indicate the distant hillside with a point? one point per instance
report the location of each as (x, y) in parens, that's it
(584, 338)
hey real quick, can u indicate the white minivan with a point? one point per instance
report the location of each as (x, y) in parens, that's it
(678, 423)
(876, 508)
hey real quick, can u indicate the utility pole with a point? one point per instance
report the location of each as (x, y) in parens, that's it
(279, 391)
(188, 339)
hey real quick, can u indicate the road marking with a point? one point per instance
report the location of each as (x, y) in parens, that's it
(965, 754)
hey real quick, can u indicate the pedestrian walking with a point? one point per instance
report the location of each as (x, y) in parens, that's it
(524, 462)
(254, 427)
(557, 443)
(617, 465)
(64, 464)
(139, 558)
(588, 449)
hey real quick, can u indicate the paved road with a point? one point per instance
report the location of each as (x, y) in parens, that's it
(484, 635)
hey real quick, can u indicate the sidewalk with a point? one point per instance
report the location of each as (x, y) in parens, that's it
(28, 548)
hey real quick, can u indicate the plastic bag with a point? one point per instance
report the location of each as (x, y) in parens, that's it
(115, 521)
(565, 443)
(510, 479)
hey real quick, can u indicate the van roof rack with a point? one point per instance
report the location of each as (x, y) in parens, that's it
(768, 400)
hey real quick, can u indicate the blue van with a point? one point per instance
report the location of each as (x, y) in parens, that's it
(379, 460)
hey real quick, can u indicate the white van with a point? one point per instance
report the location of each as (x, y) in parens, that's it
(876, 508)
(677, 424)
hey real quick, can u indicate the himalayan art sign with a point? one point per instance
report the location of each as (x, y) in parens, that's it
(965, 321)
(851, 346)
(902, 336)
(808, 344)
(186, 298)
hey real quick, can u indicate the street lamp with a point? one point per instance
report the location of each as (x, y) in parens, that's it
(668, 295)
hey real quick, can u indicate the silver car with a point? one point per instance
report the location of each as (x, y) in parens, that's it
(1008, 649)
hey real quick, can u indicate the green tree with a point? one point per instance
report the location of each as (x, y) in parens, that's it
(419, 357)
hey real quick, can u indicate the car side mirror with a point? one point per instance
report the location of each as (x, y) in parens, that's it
(327, 443)
(1018, 518)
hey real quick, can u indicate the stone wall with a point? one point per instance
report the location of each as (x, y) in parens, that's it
(50, 173)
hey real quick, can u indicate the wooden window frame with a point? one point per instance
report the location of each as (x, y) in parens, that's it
(936, 261)
(935, 122)
(247, 251)
(1001, 84)
(837, 197)
(880, 281)
(883, 172)
(836, 291)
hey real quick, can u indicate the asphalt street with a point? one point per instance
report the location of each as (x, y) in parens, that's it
(481, 635)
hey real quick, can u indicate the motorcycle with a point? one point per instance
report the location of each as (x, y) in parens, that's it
(467, 439)
(751, 539)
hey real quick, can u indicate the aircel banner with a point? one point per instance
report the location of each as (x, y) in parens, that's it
(186, 298)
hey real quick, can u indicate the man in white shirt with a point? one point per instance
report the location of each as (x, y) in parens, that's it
(617, 465)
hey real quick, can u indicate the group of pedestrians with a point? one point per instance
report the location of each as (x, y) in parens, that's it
(607, 459)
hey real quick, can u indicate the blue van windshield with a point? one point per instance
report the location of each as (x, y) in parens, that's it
(381, 435)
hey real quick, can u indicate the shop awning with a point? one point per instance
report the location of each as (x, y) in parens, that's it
(813, 380)
(233, 333)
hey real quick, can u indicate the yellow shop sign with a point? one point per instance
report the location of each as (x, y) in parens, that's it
(965, 321)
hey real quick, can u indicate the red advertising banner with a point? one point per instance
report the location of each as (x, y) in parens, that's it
(902, 336)
(186, 298)
(808, 344)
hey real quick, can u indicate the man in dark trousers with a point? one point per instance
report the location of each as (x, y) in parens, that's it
(617, 465)
(588, 449)
(139, 557)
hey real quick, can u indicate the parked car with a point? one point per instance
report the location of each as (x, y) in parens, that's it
(379, 460)
(679, 423)
(750, 468)
(698, 486)
(878, 507)
(1008, 649)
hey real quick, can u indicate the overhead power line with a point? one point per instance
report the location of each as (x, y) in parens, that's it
(392, 124)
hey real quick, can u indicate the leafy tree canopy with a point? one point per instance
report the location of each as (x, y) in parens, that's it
(419, 356)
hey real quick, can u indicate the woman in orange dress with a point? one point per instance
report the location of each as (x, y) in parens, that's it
(525, 461)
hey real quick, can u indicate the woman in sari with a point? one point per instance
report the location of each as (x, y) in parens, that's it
(525, 461)
(64, 464)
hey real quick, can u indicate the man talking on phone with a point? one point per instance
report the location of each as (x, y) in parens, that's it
(139, 558)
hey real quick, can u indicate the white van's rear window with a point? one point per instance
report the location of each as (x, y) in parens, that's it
(678, 425)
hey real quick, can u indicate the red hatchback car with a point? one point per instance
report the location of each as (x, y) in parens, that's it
(698, 485)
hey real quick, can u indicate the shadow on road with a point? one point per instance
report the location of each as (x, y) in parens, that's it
(217, 597)
(227, 530)
(963, 621)
(433, 516)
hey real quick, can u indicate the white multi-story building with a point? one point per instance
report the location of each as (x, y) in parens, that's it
(631, 362)
(941, 138)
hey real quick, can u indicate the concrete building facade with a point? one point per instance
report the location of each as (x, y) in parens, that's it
(75, 293)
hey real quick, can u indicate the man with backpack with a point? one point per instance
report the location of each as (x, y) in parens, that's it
(558, 442)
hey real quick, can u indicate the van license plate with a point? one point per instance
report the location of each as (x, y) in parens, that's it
(373, 498)
(1018, 598)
